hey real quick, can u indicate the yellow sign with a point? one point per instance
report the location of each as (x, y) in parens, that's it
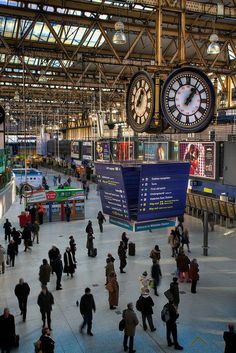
(207, 190)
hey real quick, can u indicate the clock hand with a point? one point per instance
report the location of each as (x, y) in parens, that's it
(140, 98)
(189, 98)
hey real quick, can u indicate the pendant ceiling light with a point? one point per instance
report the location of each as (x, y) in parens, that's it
(119, 37)
(214, 47)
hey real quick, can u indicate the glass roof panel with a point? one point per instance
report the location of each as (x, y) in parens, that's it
(79, 35)
(231, 53)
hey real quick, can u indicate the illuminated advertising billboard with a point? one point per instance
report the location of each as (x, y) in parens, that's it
(202, 157)
(103, 151)
(155, 151)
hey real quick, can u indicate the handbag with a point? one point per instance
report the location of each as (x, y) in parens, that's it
(16, 342)
(151, 283)
(122, 325)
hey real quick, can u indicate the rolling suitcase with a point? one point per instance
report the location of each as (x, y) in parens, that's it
(93, 252)
(131, 249)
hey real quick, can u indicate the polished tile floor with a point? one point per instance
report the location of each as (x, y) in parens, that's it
(203, 316)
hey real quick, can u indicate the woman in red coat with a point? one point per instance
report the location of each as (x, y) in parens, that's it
(193, 274)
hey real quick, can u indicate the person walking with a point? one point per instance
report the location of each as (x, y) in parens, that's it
(155, 253)
(22, 291)
(58, 268)
(125, 240)
(174, 290)
(40, 211)
(122, 256)
(109, 268)
(89, 243)
(33, 213)
(55, 180)
(67, 212)
(72, 244)
(45, 303)
(230, 339)
(7, 229)
(174, 242)
(11, 253)
(35, 230)
(87, 307)
(113, 290)
(26, 235)
(16, 236)
(171, 327)
(131, 321)
(194, 275)
(53, 255)
(101, 219)
(185, 239)
(59, 179)
(47, 343)
(69, 264)
(45, 272)
(156, 274)
(145, 305)
(182, 262)
(2, 258)
(7, 331)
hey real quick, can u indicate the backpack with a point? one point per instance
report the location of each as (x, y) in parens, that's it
(38, 346)
(165, 313)
(139, 304)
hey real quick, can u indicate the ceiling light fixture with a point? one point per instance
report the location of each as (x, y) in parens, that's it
(119, 37)
(213, 47)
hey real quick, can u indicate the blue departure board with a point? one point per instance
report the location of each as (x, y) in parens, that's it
(162, 191)
(112, 190)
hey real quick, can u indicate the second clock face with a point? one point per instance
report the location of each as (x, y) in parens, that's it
(188, 100)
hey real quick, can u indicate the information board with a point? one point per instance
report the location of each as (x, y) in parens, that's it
(103, 151)
(203, 203)
(202, 156)
(162, 192)
(209, 205)
(223, 209)
(230, 210)
(112, 190)
(197, 202)
(216, 206)
(191, 200)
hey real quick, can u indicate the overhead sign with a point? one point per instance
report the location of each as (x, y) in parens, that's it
(162, 192)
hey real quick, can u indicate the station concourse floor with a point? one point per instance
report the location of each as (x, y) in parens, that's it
(203, 316)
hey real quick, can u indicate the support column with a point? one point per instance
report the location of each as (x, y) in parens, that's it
(182, 33)
(158, 54)
(229, 91)
(205, 233)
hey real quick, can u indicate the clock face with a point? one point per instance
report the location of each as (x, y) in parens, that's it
(140, 101)
(188, 100)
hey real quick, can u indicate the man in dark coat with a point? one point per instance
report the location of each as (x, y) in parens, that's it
(11, 253)
(26, 235)
(171, 327)
(53, 255)
(230, 339)
(146, 305)
(45, 302)
(67, 212)
(122, 256)
(7, 228)
(7, 331)
(87, 306)
(174, 290)
(131, 321)
(58, 268)
(101, 219)
(156, 274)
(22, 291)
(72, 246)
(125, 240)
(16, 236)
(89, 228)
(33, 213)
(44, 272)
(47, 343)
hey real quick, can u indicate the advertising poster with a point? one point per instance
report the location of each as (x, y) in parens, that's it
(87, 150)
(202, 157)
(230, 210)
(191, 201)
(197, 202)
(223, 209)
(209, 205)
(203, 203)
(112, 190)
(163, 189)
(216, 206)
(125, 151)
(154, 151)
(103, 151)
(75, 150)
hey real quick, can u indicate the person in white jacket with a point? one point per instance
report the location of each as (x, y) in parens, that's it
(2, 258)
(143, 282)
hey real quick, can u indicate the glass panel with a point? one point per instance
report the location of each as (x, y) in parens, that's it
(79, 35)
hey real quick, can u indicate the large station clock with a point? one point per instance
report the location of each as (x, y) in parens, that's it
(188, 99)
(140, 101)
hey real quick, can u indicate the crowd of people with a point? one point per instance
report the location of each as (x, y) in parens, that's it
(55, 263)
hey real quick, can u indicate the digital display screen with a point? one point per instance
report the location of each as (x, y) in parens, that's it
(103, 151)
(125, 151)
(87, 150)
(112, 190)
(154, 151)
(162, 191)
(201, 156)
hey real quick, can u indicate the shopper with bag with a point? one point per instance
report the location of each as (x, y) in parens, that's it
(131, 321)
